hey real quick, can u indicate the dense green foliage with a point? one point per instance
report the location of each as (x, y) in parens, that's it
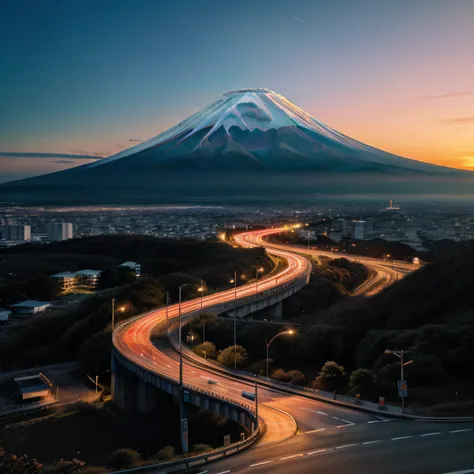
(206, 350)
(233, 354)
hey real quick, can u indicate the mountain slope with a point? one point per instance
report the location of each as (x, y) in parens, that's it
(248, 131)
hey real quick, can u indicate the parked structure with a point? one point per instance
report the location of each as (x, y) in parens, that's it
(32, 387)
(30, 307)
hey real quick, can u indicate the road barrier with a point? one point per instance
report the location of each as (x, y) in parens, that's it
(193, 461)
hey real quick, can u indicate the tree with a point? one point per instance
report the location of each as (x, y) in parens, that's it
(330, 377)
(226, 357)
(124, 458)
(43, 288)
(206, 349)
(294, 377)
(204, 319)
(362, 381)
(112, 277)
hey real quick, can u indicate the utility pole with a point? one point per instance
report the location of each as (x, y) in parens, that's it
(96, 383)
(256, 399)
(167, 304)
(400, 355)
(235, 320)
(113, 313)
(182, 413)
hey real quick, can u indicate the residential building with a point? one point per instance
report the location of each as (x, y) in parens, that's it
(16, 232)
(134, 266)
(30, 307)
(70, 281)
(59, 231)
(89, 278)
(67, 280)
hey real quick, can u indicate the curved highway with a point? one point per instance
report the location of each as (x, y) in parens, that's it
(332, 437)
(383, 272)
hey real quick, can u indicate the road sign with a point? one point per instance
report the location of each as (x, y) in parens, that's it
(381, 401)
(184, 434)
(402, 388)
(226, 441)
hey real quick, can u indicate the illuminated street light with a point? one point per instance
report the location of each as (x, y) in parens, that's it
(121, 309)
(289, 332)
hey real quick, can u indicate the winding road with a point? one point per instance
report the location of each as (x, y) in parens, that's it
(317, 436)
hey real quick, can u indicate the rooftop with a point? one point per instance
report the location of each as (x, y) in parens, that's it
(30, 304)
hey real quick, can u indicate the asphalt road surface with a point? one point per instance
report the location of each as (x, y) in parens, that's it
(329, 438)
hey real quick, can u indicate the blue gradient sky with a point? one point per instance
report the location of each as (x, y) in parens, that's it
(83, 76)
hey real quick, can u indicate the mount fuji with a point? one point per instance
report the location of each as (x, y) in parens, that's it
(246, 132)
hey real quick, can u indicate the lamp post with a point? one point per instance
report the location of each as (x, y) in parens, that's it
(290, 332)
(183, 420)
(122, 309)
(234, 281)
(400, 355)
(201, 290)
(258, 269)
(167, 304)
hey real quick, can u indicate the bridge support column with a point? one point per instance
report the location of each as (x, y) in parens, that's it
(277, 311)
(124, 389)
(146, 398)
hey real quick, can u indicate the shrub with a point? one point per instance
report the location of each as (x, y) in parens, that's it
(231, 353)
(294, 377)
(330, 377)
(165, 454)
(362, 381)
(206, 347)
(124, 458)
(202, 448)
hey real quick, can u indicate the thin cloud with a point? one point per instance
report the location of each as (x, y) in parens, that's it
(15, 154)
(64, 162)
(134, 140)
(298, 19)
(460, 121)
(449, 95)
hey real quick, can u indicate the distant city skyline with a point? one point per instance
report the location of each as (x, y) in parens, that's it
(91, 78)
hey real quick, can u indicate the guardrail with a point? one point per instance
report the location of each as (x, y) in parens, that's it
(192, 461)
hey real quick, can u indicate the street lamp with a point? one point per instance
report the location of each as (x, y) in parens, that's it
(290, 332)
(400, 355)
(202, 289)
(258, 269)
(121, 309)
(234, 281)
(184, 441)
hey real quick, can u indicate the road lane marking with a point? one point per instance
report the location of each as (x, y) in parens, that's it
(461, 431)
(381, 420)
(317, 451)
(224, 472)
(469, 471)
(401, 437)
(346, 446)
(373, 442)
(336, 418)
(314, 431)
(321, 413)
(291, 457)
(431, 434)
(261, 463)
